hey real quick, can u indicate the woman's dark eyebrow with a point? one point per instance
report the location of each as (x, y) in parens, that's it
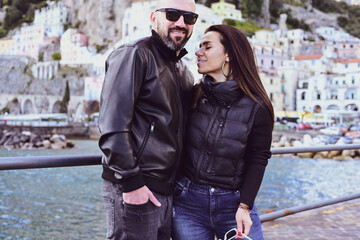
(204, 43)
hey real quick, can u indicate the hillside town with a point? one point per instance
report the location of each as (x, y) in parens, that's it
(314, 77)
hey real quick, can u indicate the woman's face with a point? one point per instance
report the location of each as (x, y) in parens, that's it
(211, 56)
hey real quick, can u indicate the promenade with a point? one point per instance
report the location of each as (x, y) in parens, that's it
(338, 221)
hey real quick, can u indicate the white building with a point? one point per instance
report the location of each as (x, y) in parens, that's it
(29, 40)
(52, 17)
(295, 41)
(317, 63)
(264, 36)
(346, 66)
(331, 34)
(336, 95)
(273, 85)
(291, 72)
(226, 10)
(73, 48)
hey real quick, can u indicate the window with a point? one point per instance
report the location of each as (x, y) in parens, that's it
(346, 65)
(271, 81)
(353, 80)
(336, 82)
(318, 96)
(262, 50)
(272, 51)
(272, 63)
(262, 62)
(303, 96)
(305, 85)
(271, 97)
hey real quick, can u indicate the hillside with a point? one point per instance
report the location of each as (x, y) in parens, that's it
(101, 20)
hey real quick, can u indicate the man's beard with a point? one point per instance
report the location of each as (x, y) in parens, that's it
(170, 43)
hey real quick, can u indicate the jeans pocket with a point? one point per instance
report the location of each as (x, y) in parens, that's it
(110, 216)
(179, 191)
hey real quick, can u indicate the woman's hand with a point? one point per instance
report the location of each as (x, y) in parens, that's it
(243, 220)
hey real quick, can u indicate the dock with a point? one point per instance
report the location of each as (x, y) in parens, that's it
(337, 221)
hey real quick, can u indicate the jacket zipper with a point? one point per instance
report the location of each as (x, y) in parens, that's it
(181, 119)
(218, 132)
(202, 155)
(146, 138)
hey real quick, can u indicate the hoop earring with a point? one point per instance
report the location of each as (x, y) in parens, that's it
(222, 70)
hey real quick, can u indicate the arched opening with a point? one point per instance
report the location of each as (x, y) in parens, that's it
(56, 107)
(28, 107)
(333, 107)
(352, 107)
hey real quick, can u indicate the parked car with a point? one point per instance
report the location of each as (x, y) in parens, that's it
(304, 126)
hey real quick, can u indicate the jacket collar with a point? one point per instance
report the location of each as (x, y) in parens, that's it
(171, 54)
(224, 93)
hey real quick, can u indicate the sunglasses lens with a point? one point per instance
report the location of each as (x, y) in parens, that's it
(172, 16)
(231, 234)
(190, 19)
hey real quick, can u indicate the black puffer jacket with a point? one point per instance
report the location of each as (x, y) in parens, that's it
(142, 115)
(229, 138)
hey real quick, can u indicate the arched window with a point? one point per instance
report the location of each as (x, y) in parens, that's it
(303, 95)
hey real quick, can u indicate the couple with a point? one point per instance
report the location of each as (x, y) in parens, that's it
(181, 160)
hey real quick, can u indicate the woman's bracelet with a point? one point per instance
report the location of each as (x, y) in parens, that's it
(244, 207)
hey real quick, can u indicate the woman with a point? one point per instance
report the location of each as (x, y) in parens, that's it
(228, 143)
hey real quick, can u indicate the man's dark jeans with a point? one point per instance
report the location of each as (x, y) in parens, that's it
(201, 211)
(134, 222)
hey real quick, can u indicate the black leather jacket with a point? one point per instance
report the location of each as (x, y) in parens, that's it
(229, 138)
(143, 108)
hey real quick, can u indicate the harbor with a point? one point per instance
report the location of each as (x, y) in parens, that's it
(66, 202)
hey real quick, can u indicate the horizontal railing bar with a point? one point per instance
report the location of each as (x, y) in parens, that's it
(289, 211)
(285, 150)
(15, 163)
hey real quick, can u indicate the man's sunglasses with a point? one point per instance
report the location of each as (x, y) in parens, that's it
(174, 14)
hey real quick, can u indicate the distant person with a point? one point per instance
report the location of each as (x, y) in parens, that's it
(228, 142)
(144, 102)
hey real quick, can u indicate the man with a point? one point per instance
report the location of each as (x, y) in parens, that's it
(144, 101)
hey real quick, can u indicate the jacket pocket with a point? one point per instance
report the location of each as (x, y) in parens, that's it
(212, 159)
(150, 130)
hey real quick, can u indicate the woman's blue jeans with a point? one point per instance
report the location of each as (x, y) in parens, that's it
(201, 212)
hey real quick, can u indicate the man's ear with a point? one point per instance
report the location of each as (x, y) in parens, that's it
(153, 18)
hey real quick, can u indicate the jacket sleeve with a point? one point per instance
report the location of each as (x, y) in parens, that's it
(257, 155)
(125, 72)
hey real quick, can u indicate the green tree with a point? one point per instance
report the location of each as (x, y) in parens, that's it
(65, 99)
(41, 56)
(253, 7)
(3, 32)
(12, 17)
(22, 5)
(56, 56)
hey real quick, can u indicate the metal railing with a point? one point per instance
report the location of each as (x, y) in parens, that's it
(16, 163)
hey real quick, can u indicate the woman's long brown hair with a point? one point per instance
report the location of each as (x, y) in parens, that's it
(242, 63)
